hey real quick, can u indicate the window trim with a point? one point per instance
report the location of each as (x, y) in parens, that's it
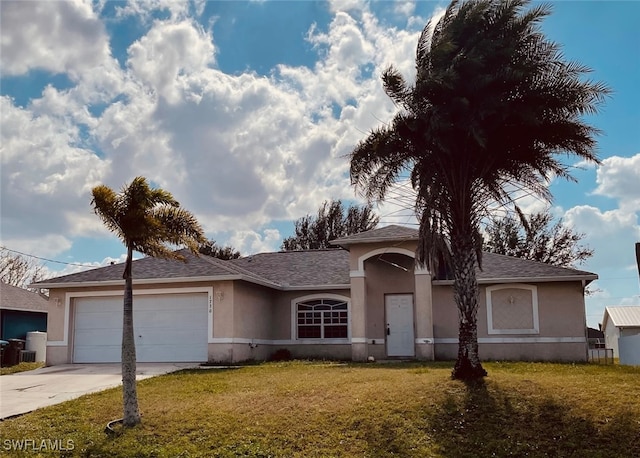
(534, 306)
(294, 318)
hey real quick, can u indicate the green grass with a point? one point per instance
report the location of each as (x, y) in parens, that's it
(22, 367)
(311, 409)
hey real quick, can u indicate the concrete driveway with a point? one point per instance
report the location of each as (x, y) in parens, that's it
(26, 391)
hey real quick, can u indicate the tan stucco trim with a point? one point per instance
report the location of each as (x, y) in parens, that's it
(523, 279)
(424, 340)
(514, 340)
(348, 243)
(534, 309)
(155, 281)
(383, 250)
(243, 340)
(313, 287)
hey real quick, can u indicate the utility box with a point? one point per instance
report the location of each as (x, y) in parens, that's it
(27, 356)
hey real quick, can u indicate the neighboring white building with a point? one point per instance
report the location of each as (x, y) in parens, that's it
(620, 322)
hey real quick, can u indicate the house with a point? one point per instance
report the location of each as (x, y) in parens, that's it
(620, 322)
(595, 338)
(21, 311)
(367, 297)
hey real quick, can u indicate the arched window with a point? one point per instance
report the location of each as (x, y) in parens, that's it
(322, 319)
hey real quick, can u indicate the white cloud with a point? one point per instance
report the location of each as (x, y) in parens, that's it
(238, 150)
(45, 245)
(404, 7)
(170, 55)
(45, 179)
(619, 178)
(60, 37)
(50, 270)
(251, 242)
(611, 234)
(352, 6)
(178, 9)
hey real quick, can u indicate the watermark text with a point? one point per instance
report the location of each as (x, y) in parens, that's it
(38, 445)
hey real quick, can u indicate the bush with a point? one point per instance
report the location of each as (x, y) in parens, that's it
(281, 355)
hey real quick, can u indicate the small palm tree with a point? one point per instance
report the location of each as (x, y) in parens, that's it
(493, 106)
(148, 221)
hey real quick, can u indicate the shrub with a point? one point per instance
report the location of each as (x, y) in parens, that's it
(281, 355)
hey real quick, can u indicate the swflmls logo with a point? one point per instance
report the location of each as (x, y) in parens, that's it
(34, 445)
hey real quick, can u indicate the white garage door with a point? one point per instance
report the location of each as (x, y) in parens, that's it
(167, 328)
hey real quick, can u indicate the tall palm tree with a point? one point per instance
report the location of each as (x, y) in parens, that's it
(148, 221)
(493, 105)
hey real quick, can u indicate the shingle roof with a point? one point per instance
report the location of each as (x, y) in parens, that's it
(283, 269)
(623, 316)
(150, 268)
(497, 266)
(12, 297)
(297, 269)
(593, 333)
(383, 234)
(300, 268)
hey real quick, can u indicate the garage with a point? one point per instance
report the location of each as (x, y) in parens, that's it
(167, 328)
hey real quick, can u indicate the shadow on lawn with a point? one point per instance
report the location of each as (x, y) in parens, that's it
(488, 421)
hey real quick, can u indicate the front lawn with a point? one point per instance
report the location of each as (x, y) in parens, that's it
(313, 409)
(22, 367)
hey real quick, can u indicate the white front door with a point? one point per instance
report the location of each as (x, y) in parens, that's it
(400, 334)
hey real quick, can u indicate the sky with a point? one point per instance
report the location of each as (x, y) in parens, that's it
(247, 112)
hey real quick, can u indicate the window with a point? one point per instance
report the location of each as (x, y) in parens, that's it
(322, 319)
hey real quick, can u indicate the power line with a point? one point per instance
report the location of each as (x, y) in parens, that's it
(44, 259)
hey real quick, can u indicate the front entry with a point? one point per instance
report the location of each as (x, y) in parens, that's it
(400, 333)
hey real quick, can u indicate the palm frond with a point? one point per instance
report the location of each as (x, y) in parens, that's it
(395, 87)
(107, 206)
(494, 105)
(148, 220)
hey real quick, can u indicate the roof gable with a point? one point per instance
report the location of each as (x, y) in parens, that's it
(391, 233)
(624, 316)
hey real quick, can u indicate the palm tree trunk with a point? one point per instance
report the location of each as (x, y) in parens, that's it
(466, 292)
(131, 415)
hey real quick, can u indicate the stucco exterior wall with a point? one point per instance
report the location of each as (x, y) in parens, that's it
(519, 351)
(561, 334)
(252, 321)
(561, 309)
(55, 317)
(252, 311)
(445, 313)
(381, 279)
